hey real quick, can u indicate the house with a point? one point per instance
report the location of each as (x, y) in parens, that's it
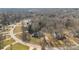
(59, 36)
(76, 34)
(37, 34)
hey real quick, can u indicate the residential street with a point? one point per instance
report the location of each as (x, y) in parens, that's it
(20, 41)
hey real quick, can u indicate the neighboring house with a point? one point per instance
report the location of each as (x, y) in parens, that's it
(37, 34)
(76, 34)
(59, 36)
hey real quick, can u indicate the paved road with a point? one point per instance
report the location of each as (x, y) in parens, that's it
(32, 46)
(20, 41)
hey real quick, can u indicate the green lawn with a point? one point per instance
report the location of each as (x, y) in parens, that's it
(7, 42)
(18, 46)
(34, 40)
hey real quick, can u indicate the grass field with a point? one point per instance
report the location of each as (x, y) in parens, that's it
(34, 40)
(18, 46)
(7, 42)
